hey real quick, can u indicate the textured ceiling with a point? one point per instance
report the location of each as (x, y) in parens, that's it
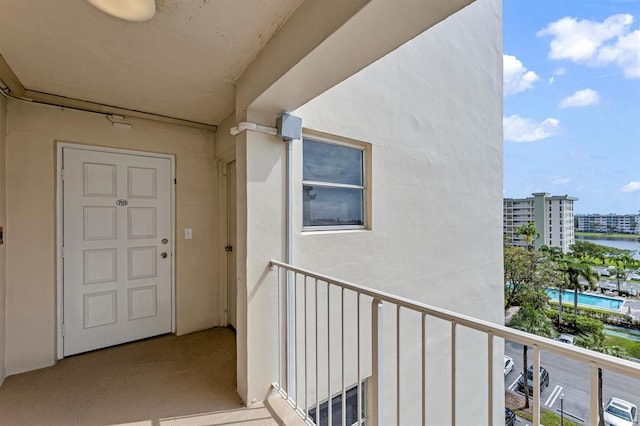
(183, 63)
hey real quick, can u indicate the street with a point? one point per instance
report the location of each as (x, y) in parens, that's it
(571, 379)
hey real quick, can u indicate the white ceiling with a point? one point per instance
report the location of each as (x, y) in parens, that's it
(183, 63)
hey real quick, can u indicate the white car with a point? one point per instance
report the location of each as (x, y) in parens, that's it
(619, 412)
(566, 338)
(508, 365)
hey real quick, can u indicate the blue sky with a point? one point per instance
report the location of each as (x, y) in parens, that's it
(572, 101)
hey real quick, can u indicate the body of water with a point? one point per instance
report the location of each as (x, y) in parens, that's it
(587, 299)
(632, 245)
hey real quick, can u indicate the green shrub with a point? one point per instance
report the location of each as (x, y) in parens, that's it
(586, 325)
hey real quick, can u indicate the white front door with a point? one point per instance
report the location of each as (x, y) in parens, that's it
(116, 248)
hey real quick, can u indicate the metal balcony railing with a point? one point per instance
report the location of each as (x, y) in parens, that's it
(312, 310)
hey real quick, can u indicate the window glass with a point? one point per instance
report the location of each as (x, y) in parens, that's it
(325, 206)
(333, 185)
(326, 162)
(351, 404)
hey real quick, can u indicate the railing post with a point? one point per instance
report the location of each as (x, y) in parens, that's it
(375, 391)
(593, 400)
(536, 385)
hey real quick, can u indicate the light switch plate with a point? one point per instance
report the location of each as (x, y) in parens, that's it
(188, 233)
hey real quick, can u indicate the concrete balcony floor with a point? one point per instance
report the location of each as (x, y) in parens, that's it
(167, 380)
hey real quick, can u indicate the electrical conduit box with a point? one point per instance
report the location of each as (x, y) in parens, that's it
(289, 127)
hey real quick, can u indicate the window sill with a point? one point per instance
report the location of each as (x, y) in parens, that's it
(332, 230)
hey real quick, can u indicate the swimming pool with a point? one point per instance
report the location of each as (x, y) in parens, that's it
(587, 299)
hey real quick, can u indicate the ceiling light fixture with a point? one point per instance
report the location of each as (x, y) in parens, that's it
(129, 10)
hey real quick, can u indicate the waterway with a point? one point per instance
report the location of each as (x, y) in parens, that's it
(632, 245)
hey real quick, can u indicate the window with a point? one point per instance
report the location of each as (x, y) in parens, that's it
(351, 404)
(333, 185)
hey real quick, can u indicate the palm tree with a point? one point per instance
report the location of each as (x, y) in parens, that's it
(530, 233)
(533, 321)
(574, 270)
(555, 278)
(595, 342)
(623, 261)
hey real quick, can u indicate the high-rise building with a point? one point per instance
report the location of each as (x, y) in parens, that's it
(552, 214)
(621, 223)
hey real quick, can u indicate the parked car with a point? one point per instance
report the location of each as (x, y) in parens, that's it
(509, 417)
(544, 380)
(605, 273)
(619, 412)
(566, 338)
(508, 365)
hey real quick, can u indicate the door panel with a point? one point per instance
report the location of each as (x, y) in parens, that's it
(231, 256)
(117, 282)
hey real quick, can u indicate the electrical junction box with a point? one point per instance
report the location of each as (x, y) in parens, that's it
(289, 127)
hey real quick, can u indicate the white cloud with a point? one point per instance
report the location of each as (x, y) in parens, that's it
(516, 76)
(596, 44)
(521, 129)
(557, 72)
(625, 53)
(632, 186)
(559, 180)
(581, 98)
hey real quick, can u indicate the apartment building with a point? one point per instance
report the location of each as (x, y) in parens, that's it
(620, 223)
(552, 214)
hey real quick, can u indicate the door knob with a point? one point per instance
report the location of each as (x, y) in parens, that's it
(163, 254)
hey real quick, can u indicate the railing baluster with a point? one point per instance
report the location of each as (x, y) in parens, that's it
(280, 357)
(344, 392)
(359, 417)
(594, 403)
(536, 385)
(317, 358)
(453, 373)
(329, 405)
(424, 368)
(306, 359)
(375, 407)
(294, 338)
(490, 378)
(398, 364)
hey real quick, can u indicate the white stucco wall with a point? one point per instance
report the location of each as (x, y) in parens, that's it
(432, 111)
(31, 217)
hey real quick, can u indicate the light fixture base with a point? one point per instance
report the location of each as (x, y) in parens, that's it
(128, 10)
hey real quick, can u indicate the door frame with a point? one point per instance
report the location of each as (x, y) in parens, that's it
(60, 145)
(223, 229)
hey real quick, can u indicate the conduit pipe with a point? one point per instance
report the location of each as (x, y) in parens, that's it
(254, 127)
(96, 108)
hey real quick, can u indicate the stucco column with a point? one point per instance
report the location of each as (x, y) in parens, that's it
(261, 174)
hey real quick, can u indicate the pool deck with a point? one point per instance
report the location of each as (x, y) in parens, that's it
(632, 307)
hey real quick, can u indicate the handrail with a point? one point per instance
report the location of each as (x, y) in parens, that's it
(594, 359)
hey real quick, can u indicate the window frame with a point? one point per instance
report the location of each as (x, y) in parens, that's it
(365, 149)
